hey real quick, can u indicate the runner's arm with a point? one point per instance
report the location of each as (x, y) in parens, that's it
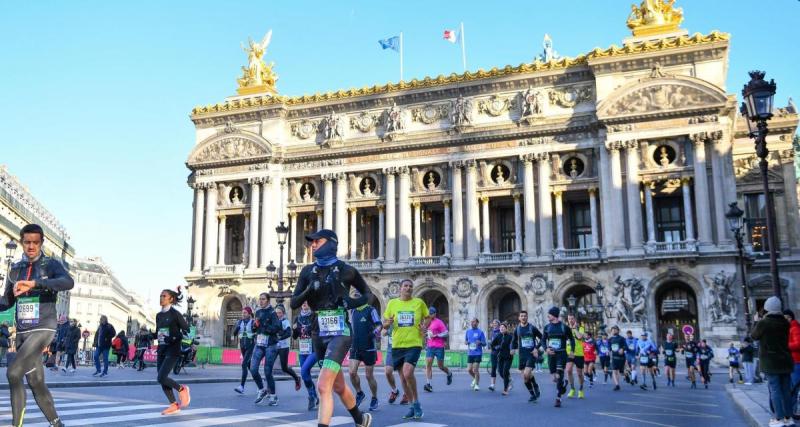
(571, 338)
(59, 279)
(182, 324)
(302, 291)
(353, 277)
(7, 300)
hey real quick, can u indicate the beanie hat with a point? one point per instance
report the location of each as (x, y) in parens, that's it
(554, 311)
(773, 305)
(249, 310)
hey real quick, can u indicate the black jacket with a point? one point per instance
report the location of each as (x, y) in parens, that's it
(51, 277)
(5, 336)
(267, 323)
(502, 344)
(105, 333)
(71, 340)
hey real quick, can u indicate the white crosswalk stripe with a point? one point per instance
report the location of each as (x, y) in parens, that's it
(232, 419)
(37, 414)
(418, 424)
(6, 401)
(132, 417)
(65, 405)
(335, 421)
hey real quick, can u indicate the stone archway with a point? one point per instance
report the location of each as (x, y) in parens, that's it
(438, 300)
(231, 312)
(658, 288)
(676, 307)
(587, 308)
(504, 304)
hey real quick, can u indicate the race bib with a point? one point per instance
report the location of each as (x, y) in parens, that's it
(527, 342)
(28, 311)
(473, 346)
(644, 359)
(732, 358)
(630, 347)
(405, 318)
(703, 357)
(668, 352)
(261, 340)
(331, 322)
(615, 347)
(305, 346)
(163, 334)
(689, 354)
(554, 343)
(603, 350)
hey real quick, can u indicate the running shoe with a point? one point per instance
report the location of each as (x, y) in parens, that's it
(449, 378)
(655, 386)
(360, 396)
(417, 411)
(536, 391)
(373, 403)
(366, 420)
(297, 384)
(312, 403)
(239, 389)
(788, 422)
(261, 395)
(616, 388)
(706, 385)
(173, 408)
(531, 399)
(103, 375)
(472, 384)
(476, 387)
(558, 402)
(505, 393)
(409, 414)
(571, 393)
(183, 395)
(775, 423)
(491, 387)
(404, 400)
(580, 394)
(393, 396)
(273, 401)
(57, 423)
(428, 388)
(643, 387)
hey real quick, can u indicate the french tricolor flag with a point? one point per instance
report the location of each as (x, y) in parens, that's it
(451, 36)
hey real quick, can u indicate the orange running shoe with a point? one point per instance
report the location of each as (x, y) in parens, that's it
(173, 408)
(183, 395)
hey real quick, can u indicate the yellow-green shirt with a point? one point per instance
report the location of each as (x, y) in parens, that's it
(408, 315)
(578, 342)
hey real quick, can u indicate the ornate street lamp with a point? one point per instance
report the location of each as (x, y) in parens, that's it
(282, 292)
(571, 300)
(189, 306)
(735, 217)
(757, 108)
(11, 249)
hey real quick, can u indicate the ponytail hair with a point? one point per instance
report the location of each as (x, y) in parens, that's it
(177, 295)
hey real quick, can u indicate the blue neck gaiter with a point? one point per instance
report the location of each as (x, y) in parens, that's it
(326, 254)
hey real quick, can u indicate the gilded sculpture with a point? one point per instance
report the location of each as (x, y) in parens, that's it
(257, 77)
(654, 17)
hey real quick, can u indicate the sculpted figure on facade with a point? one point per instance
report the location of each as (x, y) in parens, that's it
(331, 127)
(531, 103)
(628, 299)
(461, 112)
(721, 299)
(394, 121)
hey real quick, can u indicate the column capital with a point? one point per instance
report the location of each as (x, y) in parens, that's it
(390, 171)
(222, 217)
(416, 204)
(457, 164)
(649, 183)
(483, 198)
(470, 163)
(527, 158)
(352, 209)
(292, 213)
(319, 211)
(340, 176)
(787, 154)
(558, 193)
(686, 180)
(247, 214)
(592, 191)
(403, 170)
(631, 144)
(612, 146)
(446, 201)
(516, 196)
(543, 156)
(327, 177)
(256, 180)
(381, 207)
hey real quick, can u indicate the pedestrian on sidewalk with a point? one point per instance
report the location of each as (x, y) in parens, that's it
(5, 337)
(748, 351)
(142, 343)
(102, 344)
(794, 349)
(71, 345)
(772, 332)
(120, 344)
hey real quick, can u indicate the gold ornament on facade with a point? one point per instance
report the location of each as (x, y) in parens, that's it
(654, 17)
(257, 77)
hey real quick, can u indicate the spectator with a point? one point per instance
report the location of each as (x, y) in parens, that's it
(772, 332)
(71, 345)
(794, 348)
(102, 344)
(748, 351)
(142, 343)
(4, 341)
(60, 339)
(120, 345)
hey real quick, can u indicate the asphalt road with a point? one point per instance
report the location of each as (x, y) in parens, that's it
(454, 405)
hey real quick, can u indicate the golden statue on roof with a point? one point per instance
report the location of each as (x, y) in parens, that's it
(257, 77)
(654, 17)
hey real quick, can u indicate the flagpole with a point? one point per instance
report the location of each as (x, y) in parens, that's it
(463, 48)
(401, 56)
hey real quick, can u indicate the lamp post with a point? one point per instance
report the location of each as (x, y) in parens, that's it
(282, 292)
(757, 109)
(571, 300)
(736, 223)
(11, 248)
(189, 306)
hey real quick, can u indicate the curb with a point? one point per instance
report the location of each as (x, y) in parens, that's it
(755, 415)
(123, 383)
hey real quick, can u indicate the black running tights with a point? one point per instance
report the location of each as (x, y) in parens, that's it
(28, 363)
(165, 363)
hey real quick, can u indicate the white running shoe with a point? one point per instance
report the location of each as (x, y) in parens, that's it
(775, 423)
(476, 387)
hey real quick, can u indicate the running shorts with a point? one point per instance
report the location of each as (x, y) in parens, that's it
(578, 361)
(526, 359)
(557, 361)
(405, 355)
(670, 362)
(618, 364)
(368, 357)
(734, 364)
(690, 363)
(474, 359)
(331, 350)
(434, 352)
(605, 362)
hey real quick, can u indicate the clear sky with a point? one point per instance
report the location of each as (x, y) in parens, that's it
(95, 96)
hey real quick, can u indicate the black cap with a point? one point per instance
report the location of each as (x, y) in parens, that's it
(319, 234)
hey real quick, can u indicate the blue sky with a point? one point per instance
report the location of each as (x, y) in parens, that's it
(95, 96)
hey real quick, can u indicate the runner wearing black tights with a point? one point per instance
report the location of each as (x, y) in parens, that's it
(170, 328)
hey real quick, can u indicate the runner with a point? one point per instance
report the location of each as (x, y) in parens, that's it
(302, 333)
(644, 349)
(705, 354)
(33, 284)
(604, 352)
(631, 344)
(575, 358)
(689, 350)
(494, 331)
(244, 330)
(618, 347)
(525, 339)
(326, 285)
(733, 363)
(559, 342)
(266, 348)
(437, 337)
(589, 357)
(367, 325)
(748, 352)
(475, 341)
(388, 369)
(409, 319)
(170, 327)
(669, 348)
(502, 341)
(284, 342)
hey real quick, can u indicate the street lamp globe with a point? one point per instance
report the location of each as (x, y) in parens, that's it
(292, 269)
(734, 217)
(271, 270)
(190, 303)
(11, 248)
(282, 231)
(758, 95)
(571, 300)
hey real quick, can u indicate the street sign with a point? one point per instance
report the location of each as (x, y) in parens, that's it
(85, 334)
(688, 330)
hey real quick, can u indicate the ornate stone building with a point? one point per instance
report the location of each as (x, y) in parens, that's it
(597, 183)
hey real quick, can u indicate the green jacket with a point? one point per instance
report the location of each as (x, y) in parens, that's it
(772, 333)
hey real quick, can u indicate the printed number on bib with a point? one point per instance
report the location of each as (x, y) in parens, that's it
(527, 342)
(163, 333)
(644, 359)
(732, 358)
(668, 352)
(28, 310)
(405, 318)
(261, 340)
(473, 346)
(331, 322)
(689, 354)
(615, 347)
(305, 346)
(554, 343)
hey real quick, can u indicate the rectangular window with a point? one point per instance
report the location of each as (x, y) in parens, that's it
(504, 227)
(670, 225)
(580, 226)
(755, 212)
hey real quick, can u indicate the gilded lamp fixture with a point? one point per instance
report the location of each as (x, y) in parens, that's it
(654, 17)
(257, 77)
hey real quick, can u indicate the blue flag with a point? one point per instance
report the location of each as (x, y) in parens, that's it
(391, 43)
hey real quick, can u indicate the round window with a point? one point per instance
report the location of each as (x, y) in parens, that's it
(664, 155)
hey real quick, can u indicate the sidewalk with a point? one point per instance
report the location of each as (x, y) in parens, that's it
(753, 402)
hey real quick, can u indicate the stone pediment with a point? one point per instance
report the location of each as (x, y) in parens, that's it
(661, 94)
(229, 148)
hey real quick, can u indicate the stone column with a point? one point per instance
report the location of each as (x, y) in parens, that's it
(391, 212)
(341, 215)
(473, 213)
(559, 202)
(687, 208)
(404, 216)
(446, 227)
(353, 234)
(292, 235)
(545, 206)
(651, 222)
(199, 207)
(320, 214)
(328, 201)
(487, 240)
(530, 205)
(593, 213)
(381, 232)
(417, 227)
(719, 182)
(616, 225)
(458, 211)
(211, 225)
(268, 239)
(255, 205)
(517, 224)
(701, 192)
(789, 188)
(632, 192)
(246, 255)
(221, 238)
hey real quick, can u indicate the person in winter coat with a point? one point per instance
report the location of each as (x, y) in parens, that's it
(5, 338)
(71, 340)
(120, 345)
(60, 339)
(142, 343)
(794, 349)
(102, 344)
(772, 332)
